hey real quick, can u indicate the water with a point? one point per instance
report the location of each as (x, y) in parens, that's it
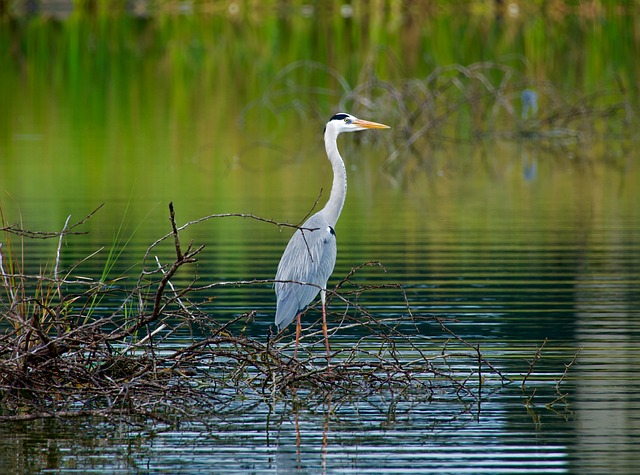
(518, 245)
(508, 280)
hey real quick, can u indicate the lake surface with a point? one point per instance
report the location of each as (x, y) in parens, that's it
(515, 242)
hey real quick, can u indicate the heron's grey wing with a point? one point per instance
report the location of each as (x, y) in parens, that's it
(309, 258)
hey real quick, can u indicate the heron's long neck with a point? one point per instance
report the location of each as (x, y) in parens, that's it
(339, 188)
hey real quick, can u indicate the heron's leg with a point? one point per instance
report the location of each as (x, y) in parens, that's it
(298, 331)
(324, 327)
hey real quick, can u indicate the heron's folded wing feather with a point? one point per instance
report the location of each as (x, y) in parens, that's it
(309, 258)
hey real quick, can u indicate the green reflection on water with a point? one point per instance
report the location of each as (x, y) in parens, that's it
(223, 113)
(196, 109)
(192, 108)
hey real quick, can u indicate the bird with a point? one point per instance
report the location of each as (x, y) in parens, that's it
(310, 256)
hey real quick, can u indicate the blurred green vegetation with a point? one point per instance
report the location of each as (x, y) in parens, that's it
(189, 48)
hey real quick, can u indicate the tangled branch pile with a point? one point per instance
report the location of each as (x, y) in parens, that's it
(488, 100)
(61, 357)
(464, 104)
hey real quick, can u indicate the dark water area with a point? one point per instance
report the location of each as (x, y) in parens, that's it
(521, 236)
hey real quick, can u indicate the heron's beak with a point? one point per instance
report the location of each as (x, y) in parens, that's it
(370, 125)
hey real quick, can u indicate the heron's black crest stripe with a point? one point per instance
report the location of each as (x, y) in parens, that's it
(338, 117)
(331, 230)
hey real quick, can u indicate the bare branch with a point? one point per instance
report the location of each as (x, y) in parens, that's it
(14, 229)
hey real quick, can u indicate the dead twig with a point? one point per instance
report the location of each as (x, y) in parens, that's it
(67, 230)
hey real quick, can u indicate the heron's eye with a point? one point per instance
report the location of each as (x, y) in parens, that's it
(347, 120)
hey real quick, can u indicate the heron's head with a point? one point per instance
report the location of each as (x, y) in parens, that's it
(342, 122)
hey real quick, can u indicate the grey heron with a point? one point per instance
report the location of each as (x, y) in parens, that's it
(309, 258)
